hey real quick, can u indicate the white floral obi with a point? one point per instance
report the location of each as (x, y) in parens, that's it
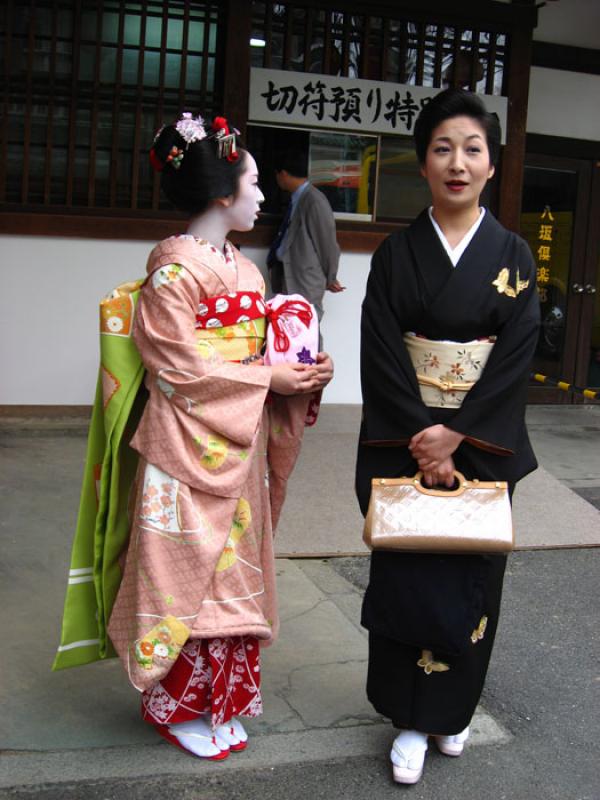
(447, 370)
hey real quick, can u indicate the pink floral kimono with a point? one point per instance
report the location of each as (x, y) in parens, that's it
(216, 449)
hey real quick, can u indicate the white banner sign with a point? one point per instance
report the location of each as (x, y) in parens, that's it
(346, 104)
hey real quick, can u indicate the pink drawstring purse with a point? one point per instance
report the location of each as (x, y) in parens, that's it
(292, 330)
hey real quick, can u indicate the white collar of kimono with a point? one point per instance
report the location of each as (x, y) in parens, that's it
(455, 254)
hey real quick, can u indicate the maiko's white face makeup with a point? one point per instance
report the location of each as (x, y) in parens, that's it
(245, 204)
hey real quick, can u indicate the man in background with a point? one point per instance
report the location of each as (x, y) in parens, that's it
(304, 256)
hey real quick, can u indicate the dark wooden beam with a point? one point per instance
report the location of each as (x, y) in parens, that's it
(236, 78)
(468, 13)
(512, 164)
(562, 147)
(560, 56)
(356, 237)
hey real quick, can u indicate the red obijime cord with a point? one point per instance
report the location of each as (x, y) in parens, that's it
(293, 308)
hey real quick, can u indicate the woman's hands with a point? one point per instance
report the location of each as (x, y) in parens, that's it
(432, 448)
(443, 475)
(324, 368)
(291, 379)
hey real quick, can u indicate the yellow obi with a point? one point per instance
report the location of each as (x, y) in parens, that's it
(232, 324)
(447, 370)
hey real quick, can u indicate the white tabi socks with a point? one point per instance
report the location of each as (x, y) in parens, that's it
(198, 737)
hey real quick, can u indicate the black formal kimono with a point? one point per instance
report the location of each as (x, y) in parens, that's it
(416, 677)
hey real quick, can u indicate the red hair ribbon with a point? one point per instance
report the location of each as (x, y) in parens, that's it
(220, 123)
(290, 308)
(227, 146)
(157, 164)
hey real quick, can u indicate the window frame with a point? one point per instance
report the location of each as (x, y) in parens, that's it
(235, 58)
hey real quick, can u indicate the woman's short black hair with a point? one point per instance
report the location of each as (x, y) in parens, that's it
(201, 176)
(456, 103)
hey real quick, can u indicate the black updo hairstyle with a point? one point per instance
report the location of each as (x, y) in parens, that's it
(201, 177)
(456, 103)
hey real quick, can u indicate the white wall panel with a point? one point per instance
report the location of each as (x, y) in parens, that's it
(564, 104)
(50, 288)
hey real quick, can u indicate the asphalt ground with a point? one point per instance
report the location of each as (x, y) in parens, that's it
(541, 692)
(542, 687)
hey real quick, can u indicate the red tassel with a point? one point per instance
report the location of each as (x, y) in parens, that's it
(295, 308)
(157, 164)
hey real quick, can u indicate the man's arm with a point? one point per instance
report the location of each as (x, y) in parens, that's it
(320, 225)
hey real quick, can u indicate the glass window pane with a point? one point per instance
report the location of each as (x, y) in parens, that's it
(88, 24)
(196, 36)
(193, 78)
(172, 70)
(132, 29)
(342, 166)
(87, 61)
(593, 376)
(212, 35)
(110, 27)
(402, 193)
(175, 34)
(108, 64)
(210, 74)
(130, 66)
(153, 31)
(151, 69)
(547, 219)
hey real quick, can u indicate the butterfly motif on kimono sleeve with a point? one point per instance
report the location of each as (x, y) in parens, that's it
(503, 286)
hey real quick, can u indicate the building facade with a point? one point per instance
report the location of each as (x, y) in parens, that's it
(88, 84)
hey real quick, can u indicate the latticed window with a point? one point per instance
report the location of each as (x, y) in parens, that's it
(387, 48)
(86, 85)
(364, 172)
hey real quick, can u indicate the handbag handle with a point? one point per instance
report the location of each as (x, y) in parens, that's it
(463, 484)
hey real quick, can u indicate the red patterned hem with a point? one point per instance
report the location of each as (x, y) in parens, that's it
(220, 677)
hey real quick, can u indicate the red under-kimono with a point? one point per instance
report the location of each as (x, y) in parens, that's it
(198, 589)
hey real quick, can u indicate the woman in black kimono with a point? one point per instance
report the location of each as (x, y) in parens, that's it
(454, 276)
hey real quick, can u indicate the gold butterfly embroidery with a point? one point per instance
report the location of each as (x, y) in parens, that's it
(503, 286)
(429, 665)
(479, 631)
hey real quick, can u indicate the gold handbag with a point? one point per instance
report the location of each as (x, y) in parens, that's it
(405, 515)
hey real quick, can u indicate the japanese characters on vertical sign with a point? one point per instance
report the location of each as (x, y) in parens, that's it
(543, 253)
(327, 101)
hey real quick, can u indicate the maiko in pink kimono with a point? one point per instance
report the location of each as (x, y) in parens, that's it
(217, 442)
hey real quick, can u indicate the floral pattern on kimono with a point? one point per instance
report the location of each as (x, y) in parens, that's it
(200, 561)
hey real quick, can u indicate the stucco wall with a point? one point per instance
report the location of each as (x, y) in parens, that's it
(564, 104)
(49, 311)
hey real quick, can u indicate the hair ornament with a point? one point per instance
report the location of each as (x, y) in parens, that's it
(155, 161)
(175, 157)
(190, 129)
(225, 139)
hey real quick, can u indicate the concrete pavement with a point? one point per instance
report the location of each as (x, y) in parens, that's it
(77, 733)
